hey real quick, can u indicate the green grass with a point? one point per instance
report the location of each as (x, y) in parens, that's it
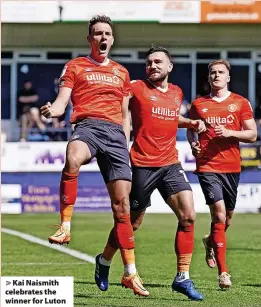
(154, 256)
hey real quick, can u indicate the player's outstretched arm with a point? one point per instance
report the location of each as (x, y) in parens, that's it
(247, 135)
(126, 117)
(58, 107)
(197, 125)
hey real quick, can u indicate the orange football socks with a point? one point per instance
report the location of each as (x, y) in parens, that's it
(184, 245)
(111, 247)
(122, 236)
(68, 194)
(219, 244)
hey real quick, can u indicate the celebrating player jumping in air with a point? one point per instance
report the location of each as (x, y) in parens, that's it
(100, 90)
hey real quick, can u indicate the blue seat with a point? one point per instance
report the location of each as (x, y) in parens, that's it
(37, 137)
(182, 134)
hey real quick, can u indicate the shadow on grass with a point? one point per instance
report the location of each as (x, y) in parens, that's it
(119, 284)
(253, 285)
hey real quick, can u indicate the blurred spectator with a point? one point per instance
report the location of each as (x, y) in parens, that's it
(56, 127)
(28, 112)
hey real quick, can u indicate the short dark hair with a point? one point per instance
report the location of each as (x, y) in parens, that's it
(99, 18)
(155, 48)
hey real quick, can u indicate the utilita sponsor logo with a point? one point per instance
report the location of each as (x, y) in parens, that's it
(99, 78)
(220, 120)
(165, 111)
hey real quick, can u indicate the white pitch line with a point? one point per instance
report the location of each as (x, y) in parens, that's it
(71, 252)
(42, 263)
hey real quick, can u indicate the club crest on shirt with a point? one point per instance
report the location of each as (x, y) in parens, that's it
(115, 71)
(232, 108)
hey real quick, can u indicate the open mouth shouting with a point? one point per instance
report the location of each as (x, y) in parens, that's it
(103, 47)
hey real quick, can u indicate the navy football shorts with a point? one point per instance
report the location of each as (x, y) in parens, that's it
(216, 186)
(107, 142)
(169, 180)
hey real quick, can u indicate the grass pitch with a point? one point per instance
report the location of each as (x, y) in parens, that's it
(155, 259)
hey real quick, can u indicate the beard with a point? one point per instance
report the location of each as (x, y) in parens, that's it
(159, 78)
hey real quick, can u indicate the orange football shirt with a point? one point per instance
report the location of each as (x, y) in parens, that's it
(155, 117)
(97, 89)
(220, 155)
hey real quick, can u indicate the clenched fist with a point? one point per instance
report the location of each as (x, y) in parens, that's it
(46, 110)
(198, 125)
(195, 146)
(222, 132)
